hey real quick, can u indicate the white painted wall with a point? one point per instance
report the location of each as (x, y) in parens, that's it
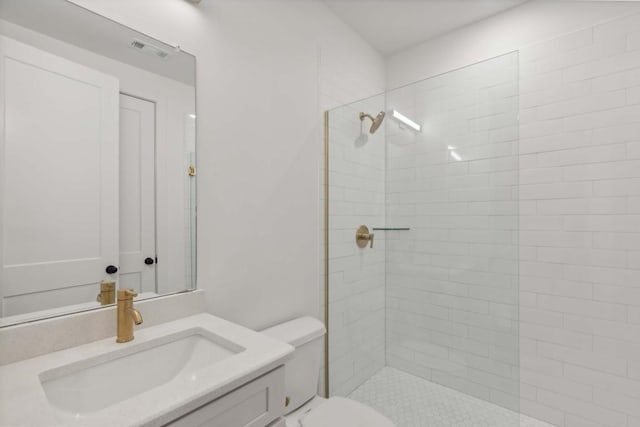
(530, 23)
(266, 72)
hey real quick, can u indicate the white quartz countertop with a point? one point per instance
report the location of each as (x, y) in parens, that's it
(23, 401)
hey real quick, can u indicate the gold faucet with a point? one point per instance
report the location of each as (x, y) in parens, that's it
(127, 315)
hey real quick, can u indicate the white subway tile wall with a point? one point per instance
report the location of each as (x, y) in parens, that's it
(452, 279)
(580, 227)
(518, 282)
(356, 276)
(347, 72)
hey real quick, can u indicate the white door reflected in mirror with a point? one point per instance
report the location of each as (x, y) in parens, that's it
(137, 194)
(59, 198)
(96, 142)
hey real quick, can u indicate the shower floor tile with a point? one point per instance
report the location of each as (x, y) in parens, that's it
(410, 401)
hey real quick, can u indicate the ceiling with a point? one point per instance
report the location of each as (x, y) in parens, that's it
(393, 25)
(72, 24)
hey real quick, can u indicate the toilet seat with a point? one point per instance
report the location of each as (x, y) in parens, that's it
(341, 412)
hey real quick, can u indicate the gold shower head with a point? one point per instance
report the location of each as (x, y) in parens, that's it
(376, 121)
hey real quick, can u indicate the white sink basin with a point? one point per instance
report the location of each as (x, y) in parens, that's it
(169, 370)
(97, 383)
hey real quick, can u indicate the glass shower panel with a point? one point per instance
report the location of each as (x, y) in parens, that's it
(356, 275)
(452, 278)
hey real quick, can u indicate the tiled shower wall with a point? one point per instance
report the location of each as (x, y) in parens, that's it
(356, 276)
(569, 208)
(348, 70)
(580, 227)
(451, 280)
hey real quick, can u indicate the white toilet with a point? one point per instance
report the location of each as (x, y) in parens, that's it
(305, 408)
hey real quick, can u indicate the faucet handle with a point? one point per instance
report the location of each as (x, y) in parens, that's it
(363, 236)
(126, 294)
(130, 293)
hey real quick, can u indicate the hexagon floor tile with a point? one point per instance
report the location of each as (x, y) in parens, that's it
(410, 401)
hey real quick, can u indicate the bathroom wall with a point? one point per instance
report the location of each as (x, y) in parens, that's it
(580, 246)
(529, 23)
(579, 187)
(266, 72)
(356, 275)
(452, 278)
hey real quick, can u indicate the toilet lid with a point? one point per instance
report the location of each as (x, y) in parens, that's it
(341, 412)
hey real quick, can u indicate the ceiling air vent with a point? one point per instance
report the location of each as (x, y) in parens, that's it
(149, 49)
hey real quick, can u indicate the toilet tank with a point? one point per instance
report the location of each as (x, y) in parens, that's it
(302, 370)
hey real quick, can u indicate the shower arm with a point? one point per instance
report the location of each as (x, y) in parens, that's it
(363, 115)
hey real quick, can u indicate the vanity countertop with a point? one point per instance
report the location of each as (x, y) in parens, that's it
(23, 401)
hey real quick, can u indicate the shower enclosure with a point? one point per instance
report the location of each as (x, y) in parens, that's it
(431, 302)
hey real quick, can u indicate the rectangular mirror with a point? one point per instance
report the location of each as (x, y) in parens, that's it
(97, 161)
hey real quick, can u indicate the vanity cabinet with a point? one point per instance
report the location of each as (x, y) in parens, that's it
(258, 403)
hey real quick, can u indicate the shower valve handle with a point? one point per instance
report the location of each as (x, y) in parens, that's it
(363, 236)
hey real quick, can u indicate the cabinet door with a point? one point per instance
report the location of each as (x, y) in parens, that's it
(58, 179)
(255, 404)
